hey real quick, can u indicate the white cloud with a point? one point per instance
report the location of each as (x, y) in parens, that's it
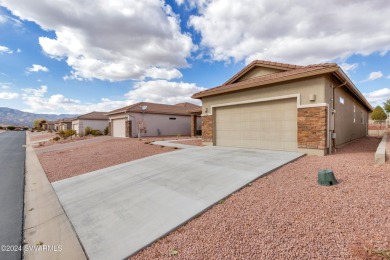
(110, 40)
(7, 19)
(18, 50)
(347, 67)
(37, 68)
(162, 91)
(377, 97)
(40, 92)
(158, 91)
(8, 95)
(4, 49)
(38, 102)
(5, 85)
(373, 76)
(297, 32)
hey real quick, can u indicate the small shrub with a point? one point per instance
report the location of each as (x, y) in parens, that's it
(96, 132)
(106, 131)
(88, 130)
(62, 134)
(70, 133)
(56, 138)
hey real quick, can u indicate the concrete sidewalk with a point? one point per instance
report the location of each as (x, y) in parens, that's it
(119, 210)
(171, 143)
(45, 221)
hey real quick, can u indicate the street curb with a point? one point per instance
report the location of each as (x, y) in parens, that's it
(45, 222)
(380, 154)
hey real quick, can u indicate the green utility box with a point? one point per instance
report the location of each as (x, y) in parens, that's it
(326, 178)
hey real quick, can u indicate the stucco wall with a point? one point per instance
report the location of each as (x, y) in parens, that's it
(152, 122)
(80, 125)
(346, 128)
(305, 88)
(166, 126)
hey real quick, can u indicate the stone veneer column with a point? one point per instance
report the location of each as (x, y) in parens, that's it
(128, 128)
(193, 125)
(207, 128)
(312, 127)
(109, 129)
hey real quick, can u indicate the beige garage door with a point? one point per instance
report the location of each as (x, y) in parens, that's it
(268, 125)
(119, 127)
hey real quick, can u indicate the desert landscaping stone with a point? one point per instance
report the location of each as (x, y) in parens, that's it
(119, 210)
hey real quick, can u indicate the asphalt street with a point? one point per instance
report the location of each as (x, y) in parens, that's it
(12, 168)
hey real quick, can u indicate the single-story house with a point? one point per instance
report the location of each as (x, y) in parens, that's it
(152, 119)
(63, 124)
(276, 106)
(49, 125)
(94, 120)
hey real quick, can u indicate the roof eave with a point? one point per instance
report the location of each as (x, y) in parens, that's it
(114, 113)
(267, 82)
(340, 73)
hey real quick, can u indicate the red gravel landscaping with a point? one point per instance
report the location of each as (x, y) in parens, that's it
(286, 215)
(63, 164)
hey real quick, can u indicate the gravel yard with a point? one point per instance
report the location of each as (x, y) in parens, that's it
(78, 160)
(37, 136)
(286, 215)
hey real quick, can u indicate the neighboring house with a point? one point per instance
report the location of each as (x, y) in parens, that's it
(277, 106)
(63, 124)
(94, 120)
(49, 125)
(151, 119)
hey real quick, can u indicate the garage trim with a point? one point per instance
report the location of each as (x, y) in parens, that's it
(297, 96)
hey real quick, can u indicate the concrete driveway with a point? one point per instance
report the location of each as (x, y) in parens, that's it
(121, 209)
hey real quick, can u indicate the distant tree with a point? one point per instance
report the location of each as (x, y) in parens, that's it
(38, 123)
(11, 127)
(378, 114)
(386, 105)
(1, 128)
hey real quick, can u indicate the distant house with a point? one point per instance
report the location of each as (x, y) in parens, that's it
(152, 119)
(94, 120)
(63, 124)
(49, 125)
(276, 106)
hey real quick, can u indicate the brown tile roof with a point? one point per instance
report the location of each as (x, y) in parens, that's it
(64, 120)
(155, 108)
(188, 106)
(93, 116)
(290, 72)
(298, 72)
(262, 63)
(196, 111)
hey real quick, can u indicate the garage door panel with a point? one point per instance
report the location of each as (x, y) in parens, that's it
(119, 127)
(266, 125)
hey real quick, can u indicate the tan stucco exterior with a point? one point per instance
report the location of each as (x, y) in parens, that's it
(321, 125)
(157, 124)
(350, 118)
(80, 125)
(304, 88)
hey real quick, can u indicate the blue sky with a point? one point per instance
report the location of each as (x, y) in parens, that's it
(80, 56)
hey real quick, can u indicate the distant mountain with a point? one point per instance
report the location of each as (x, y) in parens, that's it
(9, 116)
